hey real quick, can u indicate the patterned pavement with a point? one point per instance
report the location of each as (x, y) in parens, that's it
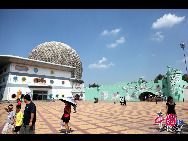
(101, 118)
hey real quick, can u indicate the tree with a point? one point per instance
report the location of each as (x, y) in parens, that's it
(144, 81)
(93, 85)
(185, 77)
(159, 77)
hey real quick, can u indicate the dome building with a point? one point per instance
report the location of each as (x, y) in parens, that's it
(58, 53)
(51, 71)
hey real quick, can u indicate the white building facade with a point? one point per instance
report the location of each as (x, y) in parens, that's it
(41, 80)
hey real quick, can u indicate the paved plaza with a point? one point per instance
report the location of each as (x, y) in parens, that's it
(104, 117)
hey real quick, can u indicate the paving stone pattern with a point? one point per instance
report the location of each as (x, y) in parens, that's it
(101, 118)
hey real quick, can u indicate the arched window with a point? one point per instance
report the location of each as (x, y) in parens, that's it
(13, 96)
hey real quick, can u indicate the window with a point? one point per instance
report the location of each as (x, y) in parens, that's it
(21, 68)
(15, 78)
(51, 72)
(35, 70)
(57, 95)
(63, 82)
(35, 80)
(22, 96)
(13, 96)
(3, 79)
(51, 81)
(24, 79)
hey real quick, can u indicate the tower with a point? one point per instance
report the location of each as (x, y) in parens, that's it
(174, 83)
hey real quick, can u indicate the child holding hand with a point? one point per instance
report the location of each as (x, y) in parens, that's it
(19, 119)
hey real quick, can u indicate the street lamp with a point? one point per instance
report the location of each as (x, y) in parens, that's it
(182, 45)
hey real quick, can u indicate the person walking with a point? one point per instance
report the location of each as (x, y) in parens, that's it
(124, 101)
(66, 116)
(170, 106)
(10, 120)
(28, 125)
(120, 100)
(75, 105)
(19, 119)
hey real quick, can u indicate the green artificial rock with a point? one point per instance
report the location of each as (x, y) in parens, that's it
(171, 85)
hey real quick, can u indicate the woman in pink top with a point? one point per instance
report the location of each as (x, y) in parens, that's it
(66, 116)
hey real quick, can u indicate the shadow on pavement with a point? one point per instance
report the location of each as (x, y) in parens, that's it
(64, 131)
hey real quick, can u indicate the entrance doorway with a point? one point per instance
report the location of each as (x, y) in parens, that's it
(40, 95)
(145, 95)
(77, 97)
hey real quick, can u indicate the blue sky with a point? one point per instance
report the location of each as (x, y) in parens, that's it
(113, 44)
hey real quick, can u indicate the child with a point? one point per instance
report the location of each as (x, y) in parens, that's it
(19, 119)
(10, 118)
(19, 102)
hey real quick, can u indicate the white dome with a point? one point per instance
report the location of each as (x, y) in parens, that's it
(58, 53)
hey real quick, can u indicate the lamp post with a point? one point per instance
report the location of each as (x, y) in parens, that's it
(182, 45)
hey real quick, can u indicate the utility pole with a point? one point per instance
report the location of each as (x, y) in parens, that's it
(182, 45)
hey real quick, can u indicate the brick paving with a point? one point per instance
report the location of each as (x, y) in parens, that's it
(101, 118)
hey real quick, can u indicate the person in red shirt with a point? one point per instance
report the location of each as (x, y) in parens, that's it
(66, 116)
(19, 102)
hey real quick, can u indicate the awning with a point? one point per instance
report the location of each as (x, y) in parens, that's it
(39, 86)
(76, 80)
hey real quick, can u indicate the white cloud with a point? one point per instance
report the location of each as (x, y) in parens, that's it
(153, 55)
(112, 45)
(183, 60)
(115, 31)
(100, 64)
(112, 32)
(168, 20)
(157, 36)
(119, 41)
(105, 32)
(102, 60)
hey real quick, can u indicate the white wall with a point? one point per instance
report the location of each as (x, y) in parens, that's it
(42, 71)
(5, 77)
(186, 94)
(30, 80)
(12, 86)
(65, 92)
(15, 86)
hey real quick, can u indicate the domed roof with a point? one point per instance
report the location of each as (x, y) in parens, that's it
(58, 53)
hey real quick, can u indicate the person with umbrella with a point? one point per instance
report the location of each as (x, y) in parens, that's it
(67, 110)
